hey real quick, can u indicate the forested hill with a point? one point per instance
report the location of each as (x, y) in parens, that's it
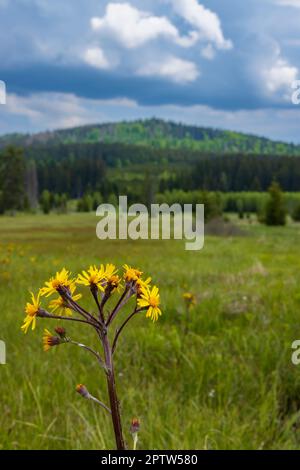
(157, 134)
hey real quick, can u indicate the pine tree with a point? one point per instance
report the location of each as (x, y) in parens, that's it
(12, 179)
(45, 201)
(275, 213)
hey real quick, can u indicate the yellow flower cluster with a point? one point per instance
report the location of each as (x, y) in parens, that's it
(103, 279)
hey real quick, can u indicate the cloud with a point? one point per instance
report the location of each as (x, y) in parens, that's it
(206, 22)
(172, 68)
(133, 28)
(280, 75)
(40, 111)
(95, 57)
(208, 52)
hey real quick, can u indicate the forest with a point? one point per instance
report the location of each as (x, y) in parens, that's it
(51, 169)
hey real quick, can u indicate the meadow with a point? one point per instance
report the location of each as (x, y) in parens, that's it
(220, 378)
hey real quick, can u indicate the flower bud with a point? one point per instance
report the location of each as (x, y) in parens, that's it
(135, 426)
(60, 331)
(83, 391)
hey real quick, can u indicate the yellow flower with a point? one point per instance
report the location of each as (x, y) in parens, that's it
(113, 283)
(60, 306)
(61, 279)
(49, 340)
(150, 298)
(190, 299)
(109, 270)
(140, 283)
(92, 277)
(131, 274)
(31, 311)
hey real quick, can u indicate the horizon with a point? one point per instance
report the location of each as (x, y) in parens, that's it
(132, 121)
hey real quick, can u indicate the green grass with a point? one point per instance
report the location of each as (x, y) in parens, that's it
(226, 384)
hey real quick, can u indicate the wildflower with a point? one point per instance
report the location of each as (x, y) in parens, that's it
(189, 299)
(140, 283)
(60, 280)
(49, 340)
(93, 277)
(131, 274)
(31, 310)
(150, 299)
(109, 271)
(83, 391)
(60, 306)
(113, 283)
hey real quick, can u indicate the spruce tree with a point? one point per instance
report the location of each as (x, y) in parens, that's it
(12, 179)
(275, 213)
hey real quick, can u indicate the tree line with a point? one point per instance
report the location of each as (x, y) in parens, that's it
(90, 173)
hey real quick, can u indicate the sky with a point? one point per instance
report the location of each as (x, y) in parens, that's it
(218, 63)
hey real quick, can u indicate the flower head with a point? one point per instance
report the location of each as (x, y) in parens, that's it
(93, 277)
(189, 299)
(141, 283)
(150, 299)
(31, 310)
(131, 274)
(61, 306)
(60, 331)
(113, 283)
(108, 271)
(49, 340)
(135, 425)
(83, 391)
(60, 280)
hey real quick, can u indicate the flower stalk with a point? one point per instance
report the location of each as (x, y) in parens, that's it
(104, 284)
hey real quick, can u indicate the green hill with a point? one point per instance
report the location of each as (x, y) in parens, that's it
(157, 134)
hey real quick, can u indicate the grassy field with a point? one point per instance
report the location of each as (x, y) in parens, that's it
(228, 383)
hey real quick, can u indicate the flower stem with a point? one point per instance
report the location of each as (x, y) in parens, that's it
(114, 402)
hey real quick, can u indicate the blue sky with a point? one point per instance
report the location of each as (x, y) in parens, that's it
(220, 63)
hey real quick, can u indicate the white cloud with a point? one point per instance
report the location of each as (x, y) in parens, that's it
(208, 52)
(280, 76)
(133, 27)
(58, 110)
(206, 22)
(95, 57)
(171, 68)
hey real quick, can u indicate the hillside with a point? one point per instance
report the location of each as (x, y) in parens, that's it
(157, 134)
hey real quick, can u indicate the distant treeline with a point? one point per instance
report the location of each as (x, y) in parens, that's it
(77, 171)
(73, 168)
(217, 202)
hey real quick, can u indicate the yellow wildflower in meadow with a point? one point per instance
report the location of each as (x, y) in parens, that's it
(49, 340)
(105, 284)
(31, 311)
(131, 274)
(59, 304)
(189, 299)
(60, 280)
(151, 300)
(93, 277)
